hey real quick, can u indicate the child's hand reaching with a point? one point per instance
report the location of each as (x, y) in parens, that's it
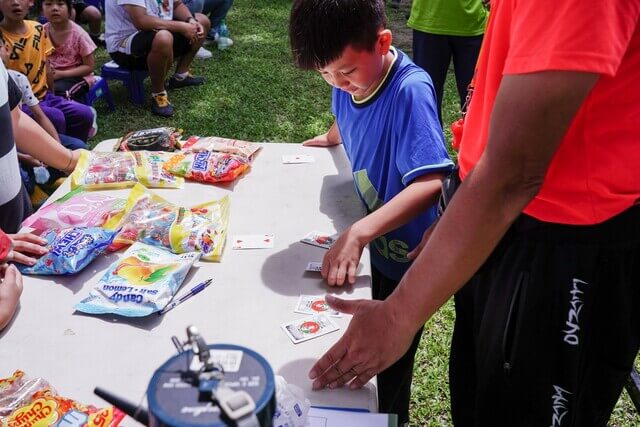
(341, 261)
(26, 243)
(320, 141)
(10, 290)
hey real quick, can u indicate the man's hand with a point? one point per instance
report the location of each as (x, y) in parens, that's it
(199, 29)
(342, 259)
(26, 243)
(320, 141)
(374, 340)
(425, 238)
(190, 30)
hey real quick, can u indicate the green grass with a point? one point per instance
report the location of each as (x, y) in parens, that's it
(253, 92)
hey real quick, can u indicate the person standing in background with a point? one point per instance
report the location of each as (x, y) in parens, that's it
(446, 29)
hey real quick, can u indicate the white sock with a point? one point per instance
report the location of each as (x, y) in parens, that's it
(164, 92)
(181, 76)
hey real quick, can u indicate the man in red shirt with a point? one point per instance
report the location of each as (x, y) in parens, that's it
(544, 229)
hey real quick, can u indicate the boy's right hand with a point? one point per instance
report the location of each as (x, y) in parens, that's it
(26, 243)
(340, 263)
(320, 141)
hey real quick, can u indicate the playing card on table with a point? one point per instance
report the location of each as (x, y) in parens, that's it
(253, 241)
(318, 238)
(313, 304)
(297, 158)
(309, 327)
(314, 266)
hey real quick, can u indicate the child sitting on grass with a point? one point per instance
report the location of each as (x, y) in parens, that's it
(387, 120)
(72, 62)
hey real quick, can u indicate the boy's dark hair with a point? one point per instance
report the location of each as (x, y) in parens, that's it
(320, 30)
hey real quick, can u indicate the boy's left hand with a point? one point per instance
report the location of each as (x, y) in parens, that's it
(26, 243)
(341, 261)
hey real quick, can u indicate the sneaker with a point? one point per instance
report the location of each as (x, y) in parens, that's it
(224, 43)
(174, 83)
(161, 106)
(213, 35)
(94, 127)
(203, 53)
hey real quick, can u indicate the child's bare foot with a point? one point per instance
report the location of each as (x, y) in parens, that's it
(10, 290)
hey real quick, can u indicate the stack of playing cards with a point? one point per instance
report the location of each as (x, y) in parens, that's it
(253, 241)
(317, 238)
(314, 266)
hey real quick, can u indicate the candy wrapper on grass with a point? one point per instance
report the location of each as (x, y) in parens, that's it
(207, 166)
(77, 208)
(244, 149)
(70, 250)
(102, 170)
(141, 283)
(150, 219)
(33, 402)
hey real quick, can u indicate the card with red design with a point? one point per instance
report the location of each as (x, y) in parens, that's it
(313, 304)
(309, 328)
(252, 241)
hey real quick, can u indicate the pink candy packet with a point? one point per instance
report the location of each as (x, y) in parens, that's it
(77, 208)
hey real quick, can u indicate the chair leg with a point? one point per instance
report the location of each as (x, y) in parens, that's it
(107, 96)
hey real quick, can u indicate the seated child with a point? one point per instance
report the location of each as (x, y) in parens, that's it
(72, 62)
(387, 120)
(91, 15)
(29, 47)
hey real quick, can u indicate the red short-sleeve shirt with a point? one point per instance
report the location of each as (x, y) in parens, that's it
(595, 173)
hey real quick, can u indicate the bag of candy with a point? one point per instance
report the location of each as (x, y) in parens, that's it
(150, 219)
(102, 170)
(141, 283)
(207, 166)
(77, 208)
(70, 250)
(245, 149)
(33, 402)
(157, 139)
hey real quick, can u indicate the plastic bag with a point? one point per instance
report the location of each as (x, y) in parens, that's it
(207, 166)
(141, 283)
(102, 170)
(33, 402)
(223, 145)
(150, 219)
(157, 139)
(70, 250)
(77, 208)
(292, 406)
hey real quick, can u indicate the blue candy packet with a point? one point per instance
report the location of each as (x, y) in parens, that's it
(70, 250)
(142, 282)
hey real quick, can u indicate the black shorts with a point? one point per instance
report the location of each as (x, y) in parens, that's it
(141, 46)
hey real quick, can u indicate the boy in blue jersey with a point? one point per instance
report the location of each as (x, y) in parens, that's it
(387, 120)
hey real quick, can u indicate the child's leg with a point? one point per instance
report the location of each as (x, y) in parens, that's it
(53, 114)
(216, 10)
(78, 117)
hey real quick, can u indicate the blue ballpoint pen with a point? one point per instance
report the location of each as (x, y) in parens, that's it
(196, 289)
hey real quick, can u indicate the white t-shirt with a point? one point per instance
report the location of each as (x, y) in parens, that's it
(119, 29)
(28, 98)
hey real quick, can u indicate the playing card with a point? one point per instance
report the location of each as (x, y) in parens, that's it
(309, 327)
(313, 304)
(297, 158)
(252, 241)
(318, 238)
(314, 266)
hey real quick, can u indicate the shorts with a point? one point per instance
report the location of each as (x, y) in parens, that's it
(141, 46)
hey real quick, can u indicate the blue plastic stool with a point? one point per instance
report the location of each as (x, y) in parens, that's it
(132, 79)
(99, 90)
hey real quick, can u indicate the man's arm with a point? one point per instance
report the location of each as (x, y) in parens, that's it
(531, 115)
(144, 22)
(32, 139)
(327, 139)
(341, 261)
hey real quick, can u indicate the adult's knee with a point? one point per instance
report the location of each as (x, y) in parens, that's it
(162, 43)
(204, 21)
(91, 13)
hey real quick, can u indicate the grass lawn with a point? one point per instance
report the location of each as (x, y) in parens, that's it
(254, 93)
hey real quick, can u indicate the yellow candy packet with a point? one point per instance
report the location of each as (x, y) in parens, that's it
(150, 219)
(108, 170)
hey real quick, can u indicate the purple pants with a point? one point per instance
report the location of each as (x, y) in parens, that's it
(68, 117)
